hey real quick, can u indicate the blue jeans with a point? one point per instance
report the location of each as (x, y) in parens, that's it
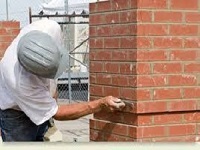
(16, 126)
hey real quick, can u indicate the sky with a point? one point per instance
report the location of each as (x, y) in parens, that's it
(18, 9)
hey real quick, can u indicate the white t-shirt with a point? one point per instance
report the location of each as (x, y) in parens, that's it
(22, 90)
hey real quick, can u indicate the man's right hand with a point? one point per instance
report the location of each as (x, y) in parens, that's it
(112, 103)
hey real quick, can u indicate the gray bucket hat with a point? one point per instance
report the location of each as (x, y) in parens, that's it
(40, 55)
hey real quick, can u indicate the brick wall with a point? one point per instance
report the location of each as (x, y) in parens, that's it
(8, 31)
(146, 52)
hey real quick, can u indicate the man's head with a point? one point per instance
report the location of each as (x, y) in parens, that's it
(39, 54)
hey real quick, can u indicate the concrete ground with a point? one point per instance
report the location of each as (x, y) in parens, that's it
(75, 130)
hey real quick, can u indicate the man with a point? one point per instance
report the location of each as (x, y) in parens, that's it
(30, 62)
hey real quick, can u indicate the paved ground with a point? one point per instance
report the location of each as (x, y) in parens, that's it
(75, 130)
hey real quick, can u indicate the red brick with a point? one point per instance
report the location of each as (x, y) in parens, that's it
(92, 124)
(198, 105)
(185, 30)
(96, 19)
(112, 67)
(103, 31)
(133, 3)
(143, 68)
(96, 43)
(107, 127)
(151, 106)
(92, 78)
(128, 16)
(117, 117)
(193, 92)
(104, 79)
(170, 93)
(152, 29)
(191, 117)
(167, 119)
(192, 42)
(7, 38)
(185, 129)
(132, 132)
(1, 53)
(110, 90)
(10, 24)
(120, 30)
(167, 42)
(124, 55)
(96, 135)
(112, 43)
(14, 32)
(112, 18)
(144, 16)
(182, 105)
(184, 80)
(151, 55)
(143, 94)
(184, 4)
(189, 138)
(144, 120)
(143, 42)
(198, 128)
(167, 68)
(96, 90)
(133, 29)
(192, 17)
(96, 66)
(132, 81)
(192, 68)
(120, 5)
(92, 31)
(101, 55)
(127, 68)
(129, 119)
(113, 138)
(103, 6)
(92, 7)
(92, 55)
(152, 131)
(3, 31)
(184, 55)
(3, 46)
(152, 4)
(120, 80)
(128, 93)
(151, 81)
(128, 42)
(166, 16)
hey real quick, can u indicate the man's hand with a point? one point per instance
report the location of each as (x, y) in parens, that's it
(112, 103)
(77, 110)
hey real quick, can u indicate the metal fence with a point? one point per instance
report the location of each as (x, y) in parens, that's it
(73, 84)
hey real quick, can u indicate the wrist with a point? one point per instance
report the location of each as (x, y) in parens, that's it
(103, 103)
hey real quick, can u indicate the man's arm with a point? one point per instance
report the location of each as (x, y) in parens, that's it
(75, 111)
